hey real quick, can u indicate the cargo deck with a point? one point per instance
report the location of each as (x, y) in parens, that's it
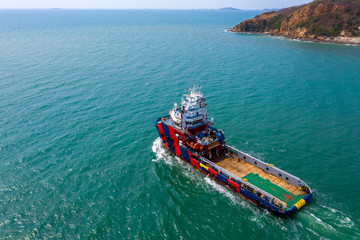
(275, 186)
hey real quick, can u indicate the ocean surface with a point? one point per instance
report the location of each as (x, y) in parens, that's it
(79, 154)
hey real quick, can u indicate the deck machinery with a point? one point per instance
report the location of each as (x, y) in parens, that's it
(188, 133)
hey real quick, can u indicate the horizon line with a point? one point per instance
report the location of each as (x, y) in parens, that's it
(221, 9)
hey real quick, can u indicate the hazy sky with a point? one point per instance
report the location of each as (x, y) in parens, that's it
(153, 4)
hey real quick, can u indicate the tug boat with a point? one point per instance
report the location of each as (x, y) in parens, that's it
(188, 134)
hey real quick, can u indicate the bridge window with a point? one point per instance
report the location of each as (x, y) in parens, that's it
(280, 175)
(287, 179)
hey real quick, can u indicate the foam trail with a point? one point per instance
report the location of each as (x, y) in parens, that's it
(161, 152)
(220, 189)
(320, 225)
(340, 219)
(324, 224)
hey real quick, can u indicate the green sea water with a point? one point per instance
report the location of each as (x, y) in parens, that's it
(80, 156)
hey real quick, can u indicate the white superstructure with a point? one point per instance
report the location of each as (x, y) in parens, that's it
(192, 112)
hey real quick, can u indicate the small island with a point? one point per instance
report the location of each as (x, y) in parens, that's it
(336, 21)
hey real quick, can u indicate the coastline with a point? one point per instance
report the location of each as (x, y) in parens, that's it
(337, 40)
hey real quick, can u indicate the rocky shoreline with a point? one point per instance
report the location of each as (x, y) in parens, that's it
(335, 40)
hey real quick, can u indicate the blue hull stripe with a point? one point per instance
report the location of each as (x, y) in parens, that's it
(222, 178)
(184, 154)
(166, 130)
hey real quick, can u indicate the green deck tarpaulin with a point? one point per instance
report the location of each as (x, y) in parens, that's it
(273, 189)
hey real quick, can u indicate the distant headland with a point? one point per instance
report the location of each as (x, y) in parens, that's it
(336, 21)
(229, 9)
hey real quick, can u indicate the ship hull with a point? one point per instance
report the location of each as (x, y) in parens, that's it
(170, 139)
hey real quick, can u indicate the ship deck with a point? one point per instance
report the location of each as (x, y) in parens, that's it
(277, 187)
